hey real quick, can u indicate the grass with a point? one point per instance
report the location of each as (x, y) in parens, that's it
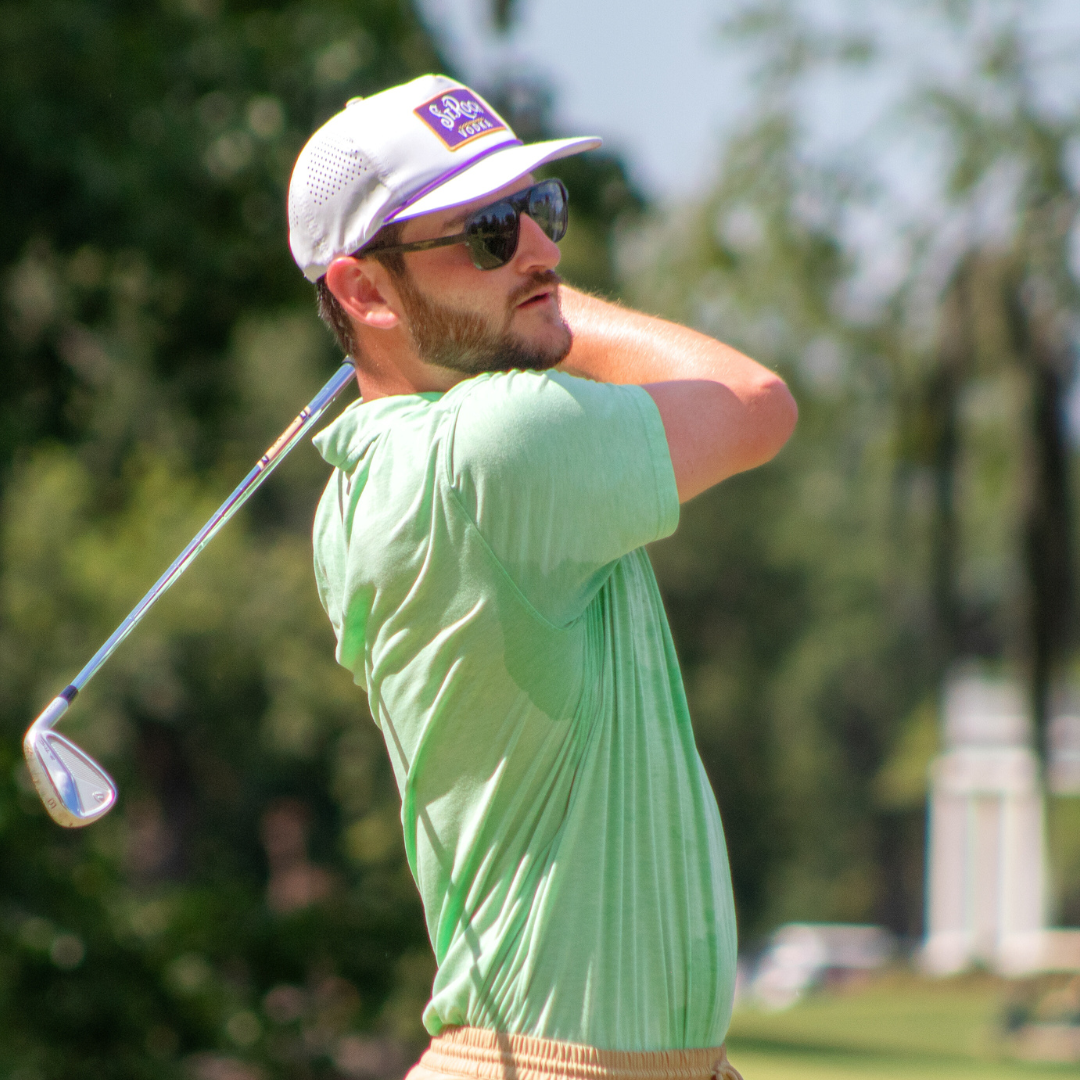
(897, 1027)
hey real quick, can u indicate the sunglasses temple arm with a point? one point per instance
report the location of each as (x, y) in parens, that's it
(414, 245)
(244, 490)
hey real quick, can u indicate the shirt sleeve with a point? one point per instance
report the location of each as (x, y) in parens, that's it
(562, 476)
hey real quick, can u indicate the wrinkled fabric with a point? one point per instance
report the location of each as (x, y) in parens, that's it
(475, 1054)
(480, 555)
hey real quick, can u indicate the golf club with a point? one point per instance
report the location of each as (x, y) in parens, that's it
(75, 789)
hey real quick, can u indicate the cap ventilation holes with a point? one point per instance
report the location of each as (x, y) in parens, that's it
(330, 170)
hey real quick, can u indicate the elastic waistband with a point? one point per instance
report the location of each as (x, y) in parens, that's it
(467, 1053)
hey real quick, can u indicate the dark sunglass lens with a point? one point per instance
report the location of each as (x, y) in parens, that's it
(493, 235)
(547, 207)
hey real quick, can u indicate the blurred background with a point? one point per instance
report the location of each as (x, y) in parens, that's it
(878, 631)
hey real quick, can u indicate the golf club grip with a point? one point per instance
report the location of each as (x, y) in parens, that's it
(246, 488)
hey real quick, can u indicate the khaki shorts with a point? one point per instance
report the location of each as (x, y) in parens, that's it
(473, 1054)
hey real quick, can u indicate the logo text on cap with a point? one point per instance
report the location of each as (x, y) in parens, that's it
(458, 117)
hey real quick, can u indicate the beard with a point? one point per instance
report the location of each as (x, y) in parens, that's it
(471, 343)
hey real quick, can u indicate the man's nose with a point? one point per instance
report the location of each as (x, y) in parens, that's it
(535, 250)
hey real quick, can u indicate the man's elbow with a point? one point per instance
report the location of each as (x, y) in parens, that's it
(775, 416)
(715, 430)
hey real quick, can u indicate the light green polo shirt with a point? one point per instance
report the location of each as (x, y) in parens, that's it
(480, 555)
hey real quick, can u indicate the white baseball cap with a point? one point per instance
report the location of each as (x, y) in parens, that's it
(426, 145)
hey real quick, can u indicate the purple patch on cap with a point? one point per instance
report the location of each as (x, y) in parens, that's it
(458, 117)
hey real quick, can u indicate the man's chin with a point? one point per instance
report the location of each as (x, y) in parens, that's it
(533, 338)
(512, 352)
(548, 335)
(540, 355)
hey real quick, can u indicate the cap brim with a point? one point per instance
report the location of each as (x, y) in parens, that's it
(492, 173)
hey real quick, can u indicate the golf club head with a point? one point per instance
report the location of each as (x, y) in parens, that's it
(75, 789)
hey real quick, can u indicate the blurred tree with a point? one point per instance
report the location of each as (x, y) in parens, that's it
(503, 13)
(922, 515)
(798, 627)
(247, 911)
(1009, 310)
(145, 153)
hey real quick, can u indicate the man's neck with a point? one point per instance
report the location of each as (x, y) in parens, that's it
(384, 376)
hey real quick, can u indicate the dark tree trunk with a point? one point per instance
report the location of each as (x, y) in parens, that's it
(1048, 540)
(1045, 354)
(955, 361)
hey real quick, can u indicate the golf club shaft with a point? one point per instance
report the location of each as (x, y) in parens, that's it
(247, 487)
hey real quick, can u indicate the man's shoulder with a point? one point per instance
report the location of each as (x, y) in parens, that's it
(512, 402)
(493, 387)
(343, 442)
(519, 408)
(490, 417)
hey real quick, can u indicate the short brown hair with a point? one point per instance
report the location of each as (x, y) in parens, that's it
(330, 310)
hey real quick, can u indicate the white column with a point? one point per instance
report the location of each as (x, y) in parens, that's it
(985, 859)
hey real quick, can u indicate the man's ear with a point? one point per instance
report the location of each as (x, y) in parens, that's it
(356, 285)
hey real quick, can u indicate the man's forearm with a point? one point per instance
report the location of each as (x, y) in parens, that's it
(722, 412)
(615, 344)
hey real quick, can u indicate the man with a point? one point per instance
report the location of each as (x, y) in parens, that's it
(479, 550)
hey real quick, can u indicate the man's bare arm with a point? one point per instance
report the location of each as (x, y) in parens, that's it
(723, 413)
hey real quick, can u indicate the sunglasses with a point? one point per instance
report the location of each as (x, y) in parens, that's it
(491, 233)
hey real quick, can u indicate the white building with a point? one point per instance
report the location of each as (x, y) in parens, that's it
(986, 885)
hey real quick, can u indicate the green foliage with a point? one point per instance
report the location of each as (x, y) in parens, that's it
(799, 631)
(145, 149)
(229, 881)
(1063, 836)
(247, 910)
(922, 514)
